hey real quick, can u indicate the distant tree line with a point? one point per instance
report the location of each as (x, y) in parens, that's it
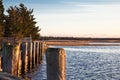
(19, 22)
(77, 38)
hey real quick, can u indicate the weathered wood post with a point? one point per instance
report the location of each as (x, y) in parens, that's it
(24, 57)
(7, 57)
(30, 50)
(33, 54)
(56, 64)
(1, 63)
(11, 58)
(1, 57)
(38, 53)
(43, 47)
(42, 51)
(29, 56)
(40, 59)
(19, 61)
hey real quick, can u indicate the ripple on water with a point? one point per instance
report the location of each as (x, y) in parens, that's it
(90, 63)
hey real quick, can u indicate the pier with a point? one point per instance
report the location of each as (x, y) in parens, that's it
(20, 57)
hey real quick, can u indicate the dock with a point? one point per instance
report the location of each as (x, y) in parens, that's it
(20, 57)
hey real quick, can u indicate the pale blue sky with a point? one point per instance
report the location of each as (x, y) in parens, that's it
(82, 18)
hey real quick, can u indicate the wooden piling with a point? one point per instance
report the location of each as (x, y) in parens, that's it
(24, 57)
(33, 54)
(1, 60)
(19, 61)
(15, 57)
(56, 64)
(38, 53)
(11, 58)
(40, 59)
(42, 51)
(7, 58)
(30, 56)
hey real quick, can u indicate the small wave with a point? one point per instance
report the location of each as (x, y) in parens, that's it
(100, 50)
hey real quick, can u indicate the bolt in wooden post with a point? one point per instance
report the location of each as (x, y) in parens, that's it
(56, 64)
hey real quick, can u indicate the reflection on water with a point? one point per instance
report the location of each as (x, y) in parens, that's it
(89, 63)
(40, 74)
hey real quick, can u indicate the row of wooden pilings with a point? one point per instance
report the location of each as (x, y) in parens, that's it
(20, 58)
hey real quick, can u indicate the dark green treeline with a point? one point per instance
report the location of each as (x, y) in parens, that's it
(19, 22)
(2, 18)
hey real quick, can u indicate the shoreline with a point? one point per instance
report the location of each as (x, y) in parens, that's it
(80, 43)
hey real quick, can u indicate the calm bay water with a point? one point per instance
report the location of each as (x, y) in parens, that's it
(88, 63)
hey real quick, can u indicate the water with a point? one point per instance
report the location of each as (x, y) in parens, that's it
(89, 63)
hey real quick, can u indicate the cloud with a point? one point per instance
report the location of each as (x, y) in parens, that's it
(76, 2)
(94, 20)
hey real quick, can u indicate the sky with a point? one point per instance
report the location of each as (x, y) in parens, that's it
(74, 18)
